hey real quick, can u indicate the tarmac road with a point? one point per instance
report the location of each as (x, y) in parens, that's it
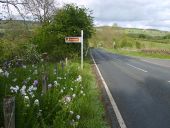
(140, 89)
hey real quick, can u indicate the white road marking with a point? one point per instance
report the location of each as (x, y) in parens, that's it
(113, 103)
(168, 81)
(137, 68)
(155, 63)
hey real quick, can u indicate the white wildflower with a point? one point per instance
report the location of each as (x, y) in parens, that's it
(79, 79)
(27, 101)
(81, 92)
(56, 83)
(59, 78)
(22, 90)
(6, 74)
(64, 88)
(67, 99)
(14, 89)
(71, 89)
(74, 95)
(84, 94)
(61, 91)
(1, 71)
(26, 97)
(24, 66)
(78, 117)
(71, 112)
(36, 102)
(50, 85)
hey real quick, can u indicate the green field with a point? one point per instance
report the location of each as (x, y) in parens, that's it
(133, 41)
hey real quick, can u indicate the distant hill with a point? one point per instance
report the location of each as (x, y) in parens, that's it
(107, 36)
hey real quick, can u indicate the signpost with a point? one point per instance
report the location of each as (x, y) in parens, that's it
(77, 40)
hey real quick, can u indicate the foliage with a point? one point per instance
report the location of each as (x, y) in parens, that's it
(71, 100)
(68, 21)
(29, 53)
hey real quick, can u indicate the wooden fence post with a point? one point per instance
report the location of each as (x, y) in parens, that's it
(9, 112)
(44, 84)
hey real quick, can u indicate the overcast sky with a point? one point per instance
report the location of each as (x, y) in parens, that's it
(129, 13)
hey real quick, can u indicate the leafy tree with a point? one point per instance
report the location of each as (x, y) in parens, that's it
(67, 21)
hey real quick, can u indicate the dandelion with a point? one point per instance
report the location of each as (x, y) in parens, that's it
(78, 117)
(36, 102)
(74, 95)
(71, 112)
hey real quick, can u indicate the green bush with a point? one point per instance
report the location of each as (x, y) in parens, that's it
(67, 21)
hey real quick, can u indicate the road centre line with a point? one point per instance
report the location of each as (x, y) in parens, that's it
(155, 63)
(112, 101)
(137, 68)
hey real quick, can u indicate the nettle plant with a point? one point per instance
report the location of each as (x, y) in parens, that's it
(56, 107)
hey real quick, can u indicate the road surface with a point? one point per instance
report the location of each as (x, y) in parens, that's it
(140, 89)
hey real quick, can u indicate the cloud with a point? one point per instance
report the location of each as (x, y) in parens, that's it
(134, 13)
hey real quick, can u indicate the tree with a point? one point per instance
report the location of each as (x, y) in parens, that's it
(67, 21)
(41, 10)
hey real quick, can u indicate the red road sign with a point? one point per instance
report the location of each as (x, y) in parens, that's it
(73, 39)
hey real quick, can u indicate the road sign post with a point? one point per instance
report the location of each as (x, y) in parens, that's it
(77, 40)
(81, 49)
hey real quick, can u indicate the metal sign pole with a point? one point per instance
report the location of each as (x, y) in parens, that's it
(81, 49)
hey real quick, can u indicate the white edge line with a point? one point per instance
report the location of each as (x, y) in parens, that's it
(112, 101)
(169, 81)
(137, 68)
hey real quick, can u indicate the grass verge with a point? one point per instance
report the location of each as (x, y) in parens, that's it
(72, 99)
(139, 54)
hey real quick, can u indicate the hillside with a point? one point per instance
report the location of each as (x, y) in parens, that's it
(132, 38)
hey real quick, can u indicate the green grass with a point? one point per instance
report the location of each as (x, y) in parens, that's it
(53, 109)
(138, 53)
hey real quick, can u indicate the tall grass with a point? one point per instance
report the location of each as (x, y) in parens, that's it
(72, 99)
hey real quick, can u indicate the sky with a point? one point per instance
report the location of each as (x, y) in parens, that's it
(154, 14)
(146, 14)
